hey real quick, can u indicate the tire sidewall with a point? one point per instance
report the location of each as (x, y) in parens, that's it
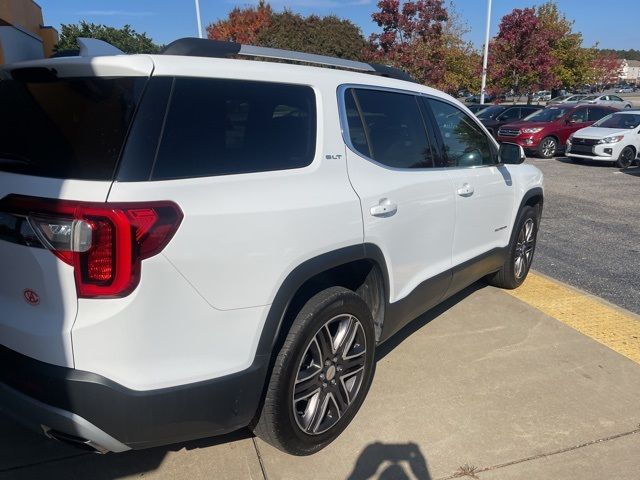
(344, 302)
(620, 163)
(526, 213)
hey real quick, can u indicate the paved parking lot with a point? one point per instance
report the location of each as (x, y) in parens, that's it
(541, 382)
(590, 233)
(486, 385)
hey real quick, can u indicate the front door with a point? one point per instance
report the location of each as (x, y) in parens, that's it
(483, 189)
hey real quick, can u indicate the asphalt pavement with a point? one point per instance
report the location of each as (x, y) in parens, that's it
(590, 231)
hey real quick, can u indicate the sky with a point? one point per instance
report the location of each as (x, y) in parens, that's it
(615, 25)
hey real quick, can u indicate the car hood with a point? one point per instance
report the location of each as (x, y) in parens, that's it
(599, 132)
(519, 125)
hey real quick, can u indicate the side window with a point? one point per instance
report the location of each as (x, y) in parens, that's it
(596, 114)
(465, 144)
(614, 98)
(223, 127)
(510, 114)
(525, 112)
(388, 127)
(578, 116)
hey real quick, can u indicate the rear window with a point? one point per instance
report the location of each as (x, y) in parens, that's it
(71, 128)
(223, 127)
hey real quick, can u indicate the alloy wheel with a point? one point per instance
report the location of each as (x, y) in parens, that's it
(524, 249)
(627, 156)
(330, 374)
(549, 147)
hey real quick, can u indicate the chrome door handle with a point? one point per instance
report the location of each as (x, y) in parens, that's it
(465, 190)
(385, 208)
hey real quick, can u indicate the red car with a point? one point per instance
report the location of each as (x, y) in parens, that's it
(545, 132)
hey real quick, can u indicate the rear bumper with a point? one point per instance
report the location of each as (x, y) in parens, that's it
(116, 418)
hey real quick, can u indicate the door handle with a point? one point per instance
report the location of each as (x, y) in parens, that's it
(385, 208)
(465, 190)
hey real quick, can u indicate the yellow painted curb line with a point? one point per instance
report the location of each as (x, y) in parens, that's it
(617, 329)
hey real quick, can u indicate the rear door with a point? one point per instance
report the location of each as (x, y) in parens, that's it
(61, 132)
(407, 205)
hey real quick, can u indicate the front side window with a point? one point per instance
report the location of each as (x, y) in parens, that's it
(223, 127)
(465, 144)
(388, 127)
(510, 114)
(578, 116)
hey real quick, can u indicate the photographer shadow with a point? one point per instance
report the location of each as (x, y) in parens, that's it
(380, 461)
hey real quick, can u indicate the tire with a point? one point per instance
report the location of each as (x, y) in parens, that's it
(548, 147)
(626, 157)
(292, 418)
(522, 246)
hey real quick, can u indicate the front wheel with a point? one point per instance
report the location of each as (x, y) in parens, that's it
(626, 157)
(321, 375)
(520, 253)
(548, 147)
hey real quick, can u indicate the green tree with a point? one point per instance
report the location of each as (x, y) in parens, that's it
(328, 35)
(125, 38)
(463, 63)
(572, 60)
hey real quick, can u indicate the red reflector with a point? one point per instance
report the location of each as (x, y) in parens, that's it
(107, 257)
(100, 258)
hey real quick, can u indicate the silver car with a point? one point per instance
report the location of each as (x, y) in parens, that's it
(566, 99)
(608, 100)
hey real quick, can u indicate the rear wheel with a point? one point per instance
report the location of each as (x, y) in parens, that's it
(626, 157)
(523, 245)
(548, 147)
(321, 375)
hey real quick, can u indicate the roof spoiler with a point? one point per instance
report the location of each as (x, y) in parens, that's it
(200, 47)
(92, 47)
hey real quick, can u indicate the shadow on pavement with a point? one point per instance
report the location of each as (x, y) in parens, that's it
(395, 462)
(633, 171)
(399, 337)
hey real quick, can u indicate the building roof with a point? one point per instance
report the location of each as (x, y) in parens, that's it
(633, 63)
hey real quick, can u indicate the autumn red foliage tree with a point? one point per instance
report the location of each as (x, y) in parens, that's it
(411, 38)
(243, 25)
(605, 69)
(520, 55)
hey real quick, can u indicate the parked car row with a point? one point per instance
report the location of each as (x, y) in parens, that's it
(582, 131)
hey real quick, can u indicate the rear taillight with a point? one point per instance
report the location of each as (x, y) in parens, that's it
(104, 242)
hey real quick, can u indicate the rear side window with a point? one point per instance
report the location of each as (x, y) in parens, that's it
(71, 128)
(223, 127)
(596, 113)
(388, 127)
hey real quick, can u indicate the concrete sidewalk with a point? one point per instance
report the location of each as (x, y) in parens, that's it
(485, 385)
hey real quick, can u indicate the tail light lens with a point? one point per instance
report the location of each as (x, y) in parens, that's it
(104, 242)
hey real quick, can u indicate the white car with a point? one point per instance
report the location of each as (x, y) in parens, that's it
(566, 99)
(608, 100)
(615, 138)
(192, 244)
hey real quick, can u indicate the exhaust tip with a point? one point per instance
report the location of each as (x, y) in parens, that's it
(74, 441)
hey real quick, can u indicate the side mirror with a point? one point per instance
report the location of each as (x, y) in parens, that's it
(511, 154)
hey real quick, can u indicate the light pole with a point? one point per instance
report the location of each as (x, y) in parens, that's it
(198, 18)
(486, 53)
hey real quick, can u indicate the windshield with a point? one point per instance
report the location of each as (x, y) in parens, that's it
(491, 112)
(620, 120)
(574, 98)
(65, 127)
(592, 97)
(547, 115)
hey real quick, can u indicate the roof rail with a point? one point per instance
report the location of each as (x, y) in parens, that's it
(200, 47)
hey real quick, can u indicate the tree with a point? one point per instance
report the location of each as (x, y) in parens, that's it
(125, 38)
(412, 38)
(521, 56)
(261, 26)
(571, 59)
(243, 24)
(463, 63)
(328, 35)
(605, 69)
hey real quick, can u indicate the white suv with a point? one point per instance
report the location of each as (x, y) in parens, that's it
(193, 244)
